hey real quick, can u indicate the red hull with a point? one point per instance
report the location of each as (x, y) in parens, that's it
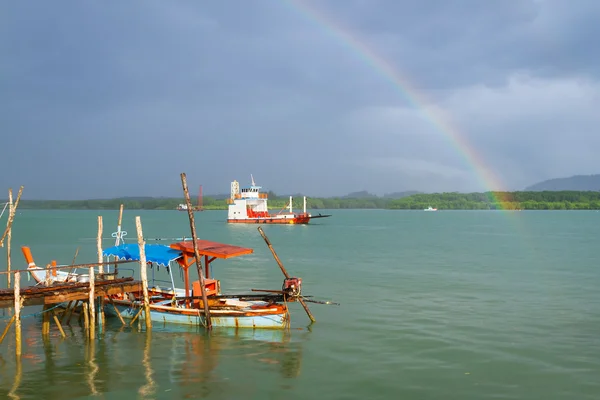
(267, 220)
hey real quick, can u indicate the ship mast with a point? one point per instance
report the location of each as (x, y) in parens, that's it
(200, 199)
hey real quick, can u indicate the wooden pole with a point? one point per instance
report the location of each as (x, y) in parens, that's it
(18, 303)
(285, 273)
(45, 321)
(118, 238)
(196, 254)
(100, 271)
(62, 332)
(11, 218)
(9, 235)
(10, 322)
(116, 310)
(91, 309)
(73, 263)
(99, 244)
(143, 272)
(136, 316)
(86, 321)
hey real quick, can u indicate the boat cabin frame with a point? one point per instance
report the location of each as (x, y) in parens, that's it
(208, 251)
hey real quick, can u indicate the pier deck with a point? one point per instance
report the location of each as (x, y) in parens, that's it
(62, 292)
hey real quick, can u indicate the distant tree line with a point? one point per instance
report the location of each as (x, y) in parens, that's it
(562, 200)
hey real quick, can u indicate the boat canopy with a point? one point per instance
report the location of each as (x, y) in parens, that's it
(155, 253)
(211, 249)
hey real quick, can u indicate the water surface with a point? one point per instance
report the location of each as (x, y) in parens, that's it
(451, 304)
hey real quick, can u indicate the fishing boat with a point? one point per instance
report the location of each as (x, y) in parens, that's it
(185, 306)
(169, 304)
(249, 205)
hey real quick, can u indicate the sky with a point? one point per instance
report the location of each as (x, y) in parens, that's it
(100, 99)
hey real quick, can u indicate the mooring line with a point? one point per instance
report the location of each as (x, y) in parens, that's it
(34, 314)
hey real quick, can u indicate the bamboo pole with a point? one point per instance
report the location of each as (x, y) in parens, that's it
(86, 321)
(45, 321)
(11, 217)
(72, 264)
(136, 316)
(143, 272)
(99, 245)
(18, 304)
(116, 310)
(100, 271)
(91, 310)
(196, 254)
(57, 322)
(47, 279)
(10, 322)
(118, 238)
(9, 235)
(284, 271)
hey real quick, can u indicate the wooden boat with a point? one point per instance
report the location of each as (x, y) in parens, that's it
(185, 306)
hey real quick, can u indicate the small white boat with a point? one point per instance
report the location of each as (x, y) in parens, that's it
(430, 209)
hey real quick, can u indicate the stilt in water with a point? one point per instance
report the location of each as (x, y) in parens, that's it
(91, 308)
(45, 320)
(9, 235)
(18, 305)
(143, 272)
(100, 299)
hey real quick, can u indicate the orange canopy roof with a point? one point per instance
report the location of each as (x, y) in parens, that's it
(211, 249)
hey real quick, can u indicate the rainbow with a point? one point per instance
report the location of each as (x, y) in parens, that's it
(435, 116)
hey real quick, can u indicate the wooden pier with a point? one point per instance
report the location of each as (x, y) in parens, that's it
(67, 292)
(88, 297)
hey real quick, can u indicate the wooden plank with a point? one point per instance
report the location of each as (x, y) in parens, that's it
(48, 297)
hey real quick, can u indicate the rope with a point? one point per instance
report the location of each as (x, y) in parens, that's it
(34, 314)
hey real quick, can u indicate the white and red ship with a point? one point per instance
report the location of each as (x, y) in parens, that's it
(249, 206)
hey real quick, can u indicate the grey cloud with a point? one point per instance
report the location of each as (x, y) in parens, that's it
(224, 89)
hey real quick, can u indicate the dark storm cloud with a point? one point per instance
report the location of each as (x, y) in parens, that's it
(117, 98)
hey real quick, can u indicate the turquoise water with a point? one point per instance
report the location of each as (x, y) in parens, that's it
(451, 304)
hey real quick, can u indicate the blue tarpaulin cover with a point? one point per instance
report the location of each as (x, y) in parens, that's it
(155, 253)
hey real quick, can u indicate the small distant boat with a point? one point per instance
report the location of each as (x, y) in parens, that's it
(430, 209)
(199, 207)
(249, 206)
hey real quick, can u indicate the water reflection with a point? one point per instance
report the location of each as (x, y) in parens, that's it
(171, 362)
(17, 382)
(149, 388)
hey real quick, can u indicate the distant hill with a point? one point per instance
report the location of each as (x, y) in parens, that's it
(577, 183)
(363, 194)
(399, 195)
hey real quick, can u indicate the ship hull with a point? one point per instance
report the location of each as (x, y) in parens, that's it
(277, 319)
